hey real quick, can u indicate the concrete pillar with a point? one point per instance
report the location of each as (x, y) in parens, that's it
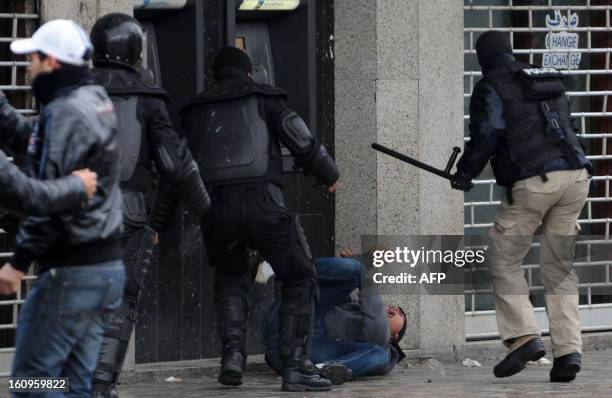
(399, 82)
(84, 12)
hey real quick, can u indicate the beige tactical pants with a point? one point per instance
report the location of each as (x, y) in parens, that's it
(556, 205)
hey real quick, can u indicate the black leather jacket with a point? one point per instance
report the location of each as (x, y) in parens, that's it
(35, 197)
(77, 129)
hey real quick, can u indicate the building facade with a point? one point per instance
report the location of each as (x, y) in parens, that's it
(359, 71)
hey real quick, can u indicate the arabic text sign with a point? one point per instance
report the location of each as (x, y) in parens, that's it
(562, 41)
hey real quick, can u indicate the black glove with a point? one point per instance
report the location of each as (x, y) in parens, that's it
(461, 182)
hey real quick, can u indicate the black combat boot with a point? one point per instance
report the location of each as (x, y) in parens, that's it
(233, 361)
(296, 316)
(113, 351)
(232, 312)
(112, 393)
(299, 374)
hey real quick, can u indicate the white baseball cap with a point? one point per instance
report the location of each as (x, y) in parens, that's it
(60, 38)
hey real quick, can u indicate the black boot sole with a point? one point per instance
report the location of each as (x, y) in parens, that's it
(109, 394)
(303, 388)
(567, 374)
(337, 374)
(517, 364)
(230, 377)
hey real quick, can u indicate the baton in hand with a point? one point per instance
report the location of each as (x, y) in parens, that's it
(446, 173)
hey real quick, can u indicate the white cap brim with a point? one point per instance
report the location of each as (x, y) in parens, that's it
(24, 46)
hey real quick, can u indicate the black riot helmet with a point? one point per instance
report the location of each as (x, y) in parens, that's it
(117, 39)
(490, 47)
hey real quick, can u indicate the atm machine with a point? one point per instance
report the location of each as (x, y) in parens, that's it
(281, 37)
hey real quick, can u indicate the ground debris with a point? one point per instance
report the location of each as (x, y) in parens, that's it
(471, 363)
(540, 362)
(425, 362)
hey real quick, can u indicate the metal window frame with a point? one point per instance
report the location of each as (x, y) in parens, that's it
(597, 316)
(6, 353)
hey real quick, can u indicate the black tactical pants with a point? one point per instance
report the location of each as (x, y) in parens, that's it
(137, 243)
(255, 215)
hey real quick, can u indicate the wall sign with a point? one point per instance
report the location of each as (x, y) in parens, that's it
(561, 40)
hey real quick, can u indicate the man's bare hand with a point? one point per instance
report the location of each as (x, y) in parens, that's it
(333, 188)
(347, 252)
(89, 179)
(10, 279)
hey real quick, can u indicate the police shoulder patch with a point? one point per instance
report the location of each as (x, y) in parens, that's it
(535, 73)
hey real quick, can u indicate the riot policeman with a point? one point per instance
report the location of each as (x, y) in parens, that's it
(520, 119)
(147, 141)
(235, 129)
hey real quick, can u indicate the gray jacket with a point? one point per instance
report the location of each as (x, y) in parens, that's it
(362, 318)
(75, 130)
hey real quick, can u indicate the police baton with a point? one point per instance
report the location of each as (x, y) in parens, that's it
(446, 173)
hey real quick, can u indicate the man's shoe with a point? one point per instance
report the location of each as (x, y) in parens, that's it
(515, 361)
(232, 367)
(337, 373)
(565, 368)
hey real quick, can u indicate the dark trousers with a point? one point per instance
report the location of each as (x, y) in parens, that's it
(254, 215)
(137, 244)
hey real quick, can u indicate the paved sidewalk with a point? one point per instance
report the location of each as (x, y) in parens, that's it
(416, 378)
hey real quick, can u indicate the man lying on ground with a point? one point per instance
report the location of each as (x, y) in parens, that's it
(355, 333)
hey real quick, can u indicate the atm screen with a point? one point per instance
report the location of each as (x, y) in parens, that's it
(240, 42)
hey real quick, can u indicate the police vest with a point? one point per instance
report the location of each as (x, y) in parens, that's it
(125, 89)
(538, 121)
(233, 142)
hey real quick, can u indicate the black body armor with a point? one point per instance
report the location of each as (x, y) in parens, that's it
(538, 121)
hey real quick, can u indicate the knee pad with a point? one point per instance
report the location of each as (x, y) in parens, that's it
(232, 318)
(296, 315)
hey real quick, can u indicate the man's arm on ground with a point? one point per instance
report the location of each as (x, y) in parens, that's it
(375, 324)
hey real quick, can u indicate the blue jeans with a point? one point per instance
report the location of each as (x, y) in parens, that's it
(337, 278)
(61, 324)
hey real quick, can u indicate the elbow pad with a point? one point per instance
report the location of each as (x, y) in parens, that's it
(296, 135)
(192, 189)
(164, 206)
(178, 167)
(168, 160)
(322, 166)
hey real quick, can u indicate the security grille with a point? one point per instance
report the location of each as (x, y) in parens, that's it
(18, 18)
(574, 36)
